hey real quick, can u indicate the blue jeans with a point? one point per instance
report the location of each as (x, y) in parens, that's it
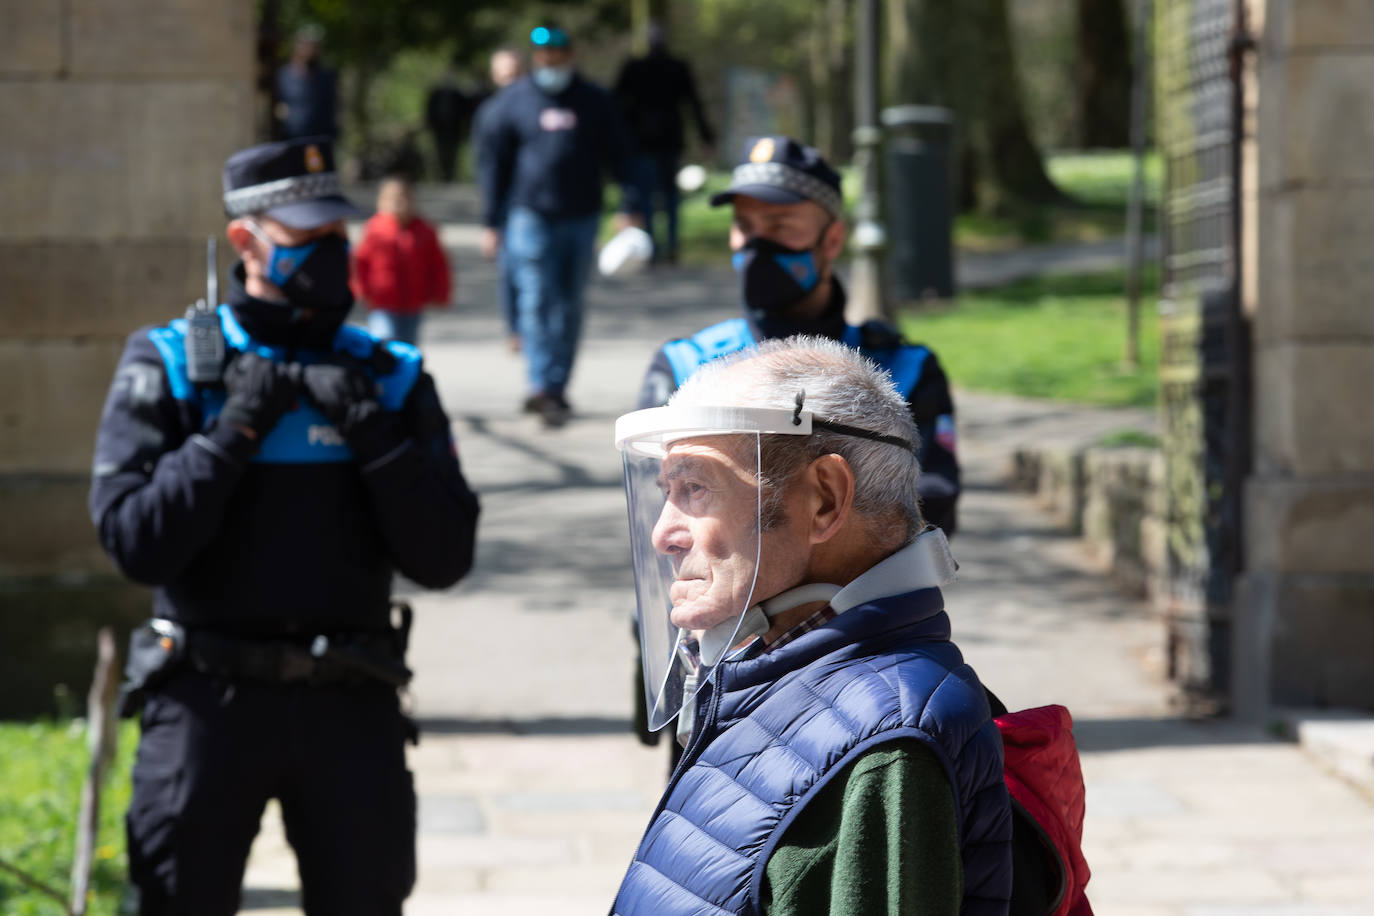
(656, 175)
(549, 261)
(394, 326)
(505, 291)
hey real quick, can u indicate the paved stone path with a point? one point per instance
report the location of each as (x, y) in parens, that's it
(533, 792)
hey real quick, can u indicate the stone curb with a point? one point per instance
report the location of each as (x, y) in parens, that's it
(1341, 740)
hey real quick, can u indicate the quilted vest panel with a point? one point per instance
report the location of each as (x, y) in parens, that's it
(776, 727)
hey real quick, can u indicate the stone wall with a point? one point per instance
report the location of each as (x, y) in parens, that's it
(118, 115)
(1304, 624)
(1113, 498)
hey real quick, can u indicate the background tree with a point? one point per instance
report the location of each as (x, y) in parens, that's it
(1102, 71)
(959, 55)
(831, 83)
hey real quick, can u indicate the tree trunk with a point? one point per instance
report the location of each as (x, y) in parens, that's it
(959, 55)
(1102, 74)
(268, 41)
(832, 75)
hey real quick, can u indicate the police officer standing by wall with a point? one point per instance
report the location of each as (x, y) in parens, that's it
(270, 508)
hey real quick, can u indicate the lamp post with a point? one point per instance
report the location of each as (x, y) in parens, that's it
(868, 299)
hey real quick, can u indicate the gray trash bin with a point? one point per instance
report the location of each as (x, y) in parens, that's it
(919, 204)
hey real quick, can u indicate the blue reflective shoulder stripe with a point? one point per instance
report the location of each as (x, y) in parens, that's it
(396, 384)
(907, 364)
(170, 343)
(234, 334)
(687, 354)
(904, 363)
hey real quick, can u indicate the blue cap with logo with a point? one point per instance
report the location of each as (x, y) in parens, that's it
(781, 170)
(293, 182)
(546, 36)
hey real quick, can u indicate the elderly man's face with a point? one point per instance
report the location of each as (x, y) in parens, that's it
(709, 528)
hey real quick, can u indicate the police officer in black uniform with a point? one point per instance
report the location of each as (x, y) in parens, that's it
(270, 509)
(788, 233)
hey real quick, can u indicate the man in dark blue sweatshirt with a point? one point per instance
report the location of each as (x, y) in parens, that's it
(547, 142)
(270, 507)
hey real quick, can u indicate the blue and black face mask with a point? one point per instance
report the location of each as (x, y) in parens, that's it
(313, 275)
(774, 277)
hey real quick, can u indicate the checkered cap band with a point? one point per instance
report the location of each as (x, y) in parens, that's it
(294, 190)
(791, 179)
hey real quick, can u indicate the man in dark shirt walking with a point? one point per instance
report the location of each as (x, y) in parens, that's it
(547, 141)
(652, 90)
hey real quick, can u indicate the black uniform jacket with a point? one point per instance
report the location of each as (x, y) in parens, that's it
(930, 400)
(257, 548)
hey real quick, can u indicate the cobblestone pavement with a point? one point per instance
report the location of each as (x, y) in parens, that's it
(533, 792)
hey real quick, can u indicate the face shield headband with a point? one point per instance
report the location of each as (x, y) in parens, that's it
(693, 492)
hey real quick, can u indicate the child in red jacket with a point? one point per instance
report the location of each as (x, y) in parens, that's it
(399, 269)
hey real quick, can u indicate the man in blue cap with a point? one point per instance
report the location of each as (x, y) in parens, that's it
(546, 143)
(269, 502)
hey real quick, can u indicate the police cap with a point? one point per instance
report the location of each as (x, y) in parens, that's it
(293, 182)
(781, 170)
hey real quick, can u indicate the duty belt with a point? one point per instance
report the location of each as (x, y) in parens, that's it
(323, 659)
(347, 658)
(161, 647)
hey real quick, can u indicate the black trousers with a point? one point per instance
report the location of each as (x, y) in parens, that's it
(212, 754)
(446, 152)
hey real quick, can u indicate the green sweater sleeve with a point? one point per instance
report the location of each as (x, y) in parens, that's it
(881, 837)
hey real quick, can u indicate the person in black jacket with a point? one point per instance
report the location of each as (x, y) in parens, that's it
(787, 235)
(546, 142)
(270, 510)
(652, 90)
(447, 111)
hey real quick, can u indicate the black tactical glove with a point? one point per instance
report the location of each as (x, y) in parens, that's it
(345, 394)
(259, 391)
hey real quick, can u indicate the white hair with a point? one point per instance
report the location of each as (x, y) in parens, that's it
(839, 385)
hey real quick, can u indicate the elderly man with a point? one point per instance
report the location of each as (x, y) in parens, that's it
(840, 756)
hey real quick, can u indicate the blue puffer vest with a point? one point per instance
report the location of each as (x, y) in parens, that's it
(774, 728)
(303, 435)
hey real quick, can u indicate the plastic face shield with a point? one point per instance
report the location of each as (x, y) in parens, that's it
(695, 505)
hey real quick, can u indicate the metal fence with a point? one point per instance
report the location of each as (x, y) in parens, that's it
(1204, 347)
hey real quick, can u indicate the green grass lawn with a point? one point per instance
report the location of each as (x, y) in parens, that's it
(1099, 183)
(42, 767)
(1060, 337)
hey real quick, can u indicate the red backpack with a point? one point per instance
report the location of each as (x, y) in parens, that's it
(1045, 782)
